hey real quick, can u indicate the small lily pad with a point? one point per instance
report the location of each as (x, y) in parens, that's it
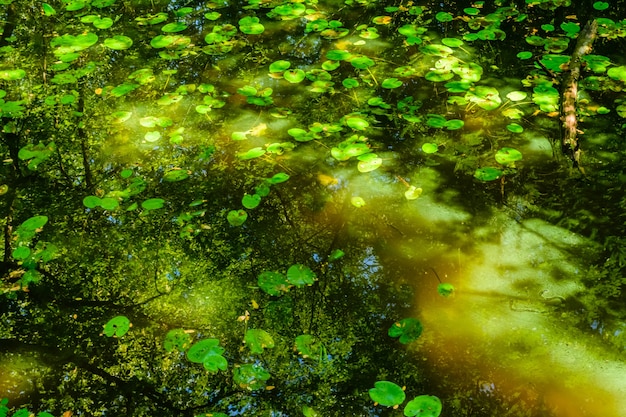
(153, 204)
(387, 394)
(430, 147)
(413, 193)
(300, 275)
(294, 76)
(487, 173)
(357, 201)
(177, 339)
(391, 83)
(258, 340)
(423, 406)
(237, 217)
(117, 326)
(445, 289)
(407, 330)
(175, 175)
(508, 156)
(251, 201)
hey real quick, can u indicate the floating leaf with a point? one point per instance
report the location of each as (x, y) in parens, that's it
(357, 201)
(413, 193)
(173, 27)
(251, 201)
(237, 217)
(357, 123)
(430, 147)
(307, 346)
(387, 394)
(280, 66)
(508, 156)
(294, 76)
(21, 253)
(118, 42)
(117, 326)
(12, 75)
(250, 376)
(278, 178)
(423, 406)
(250, 25)
(153, 204)
(487, 174)
(515, 128)
(273, 283)
(369, 162)
(445, 289)
(258, 340)
(252, 153)
(524, 55)
(600, 5)
(391, 83)
(336, 254)
(300, 275)
(209, 353)
(177, 339)
(408, 330)
(152, 136)
(175, 175)
(33, 224)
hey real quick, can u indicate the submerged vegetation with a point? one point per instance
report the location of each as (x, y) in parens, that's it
(234, 208)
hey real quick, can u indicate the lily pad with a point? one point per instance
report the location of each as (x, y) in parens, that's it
(177, 339)
(153, 204)
(175, 175)
(237, 217)
(294, 76)
(387, 394)
(445, 289)
(250, 376)
(173, 27)
(357, 123)
(369, 162)
(391, 83)
(252, 153)
(258, 340)
(300, 275)
(430, 147)
(487, 174)
(357, 202)
(413, 193)
(273, 283)
(508, 156)
(251, 201)
(423, 406)
(250, 25)
(118, 42)
(515, 127)
(209, 353)
(279, 66)
(407, 330)
(278, 178)
(117, 326)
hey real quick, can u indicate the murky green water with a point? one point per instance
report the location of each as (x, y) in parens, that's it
(381, 149)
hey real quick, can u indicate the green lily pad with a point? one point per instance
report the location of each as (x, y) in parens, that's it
(408, 330)
(250, 25)
(177, 339)
(33, 224)
(350, 83)
(278, 178)
(252, 153)
(103, 23)
(508, 156)
(444, 17)
(445, 289)
(413, 193)
(153, 204)
(209, 353)
(454, 124)
(430, 147)
(307, 346)
(21, 253)
(300, 275)
(173, 27)
(109, 203)
(117, 326)
(237, 217)
(487, 173)
(357, 123)
(361, 62)
(369, 162)
(250, 376)
(294, 76)
(175, 175)
(524, 55)
(118, 42)
(258, 340)
(617, 73)
(357, 202)
(437, 76)
(152, 136)
(251, 201)
(387, 394)
(391, 83)
(273, 283)
(423, 406)
(91, 201)
(280, 66)
(515, 128)
(12, 75)
(338, 55)
(600, 5)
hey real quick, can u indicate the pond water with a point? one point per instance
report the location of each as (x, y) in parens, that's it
(283, 182)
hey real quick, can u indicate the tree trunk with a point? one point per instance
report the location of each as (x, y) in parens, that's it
(570, 92)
